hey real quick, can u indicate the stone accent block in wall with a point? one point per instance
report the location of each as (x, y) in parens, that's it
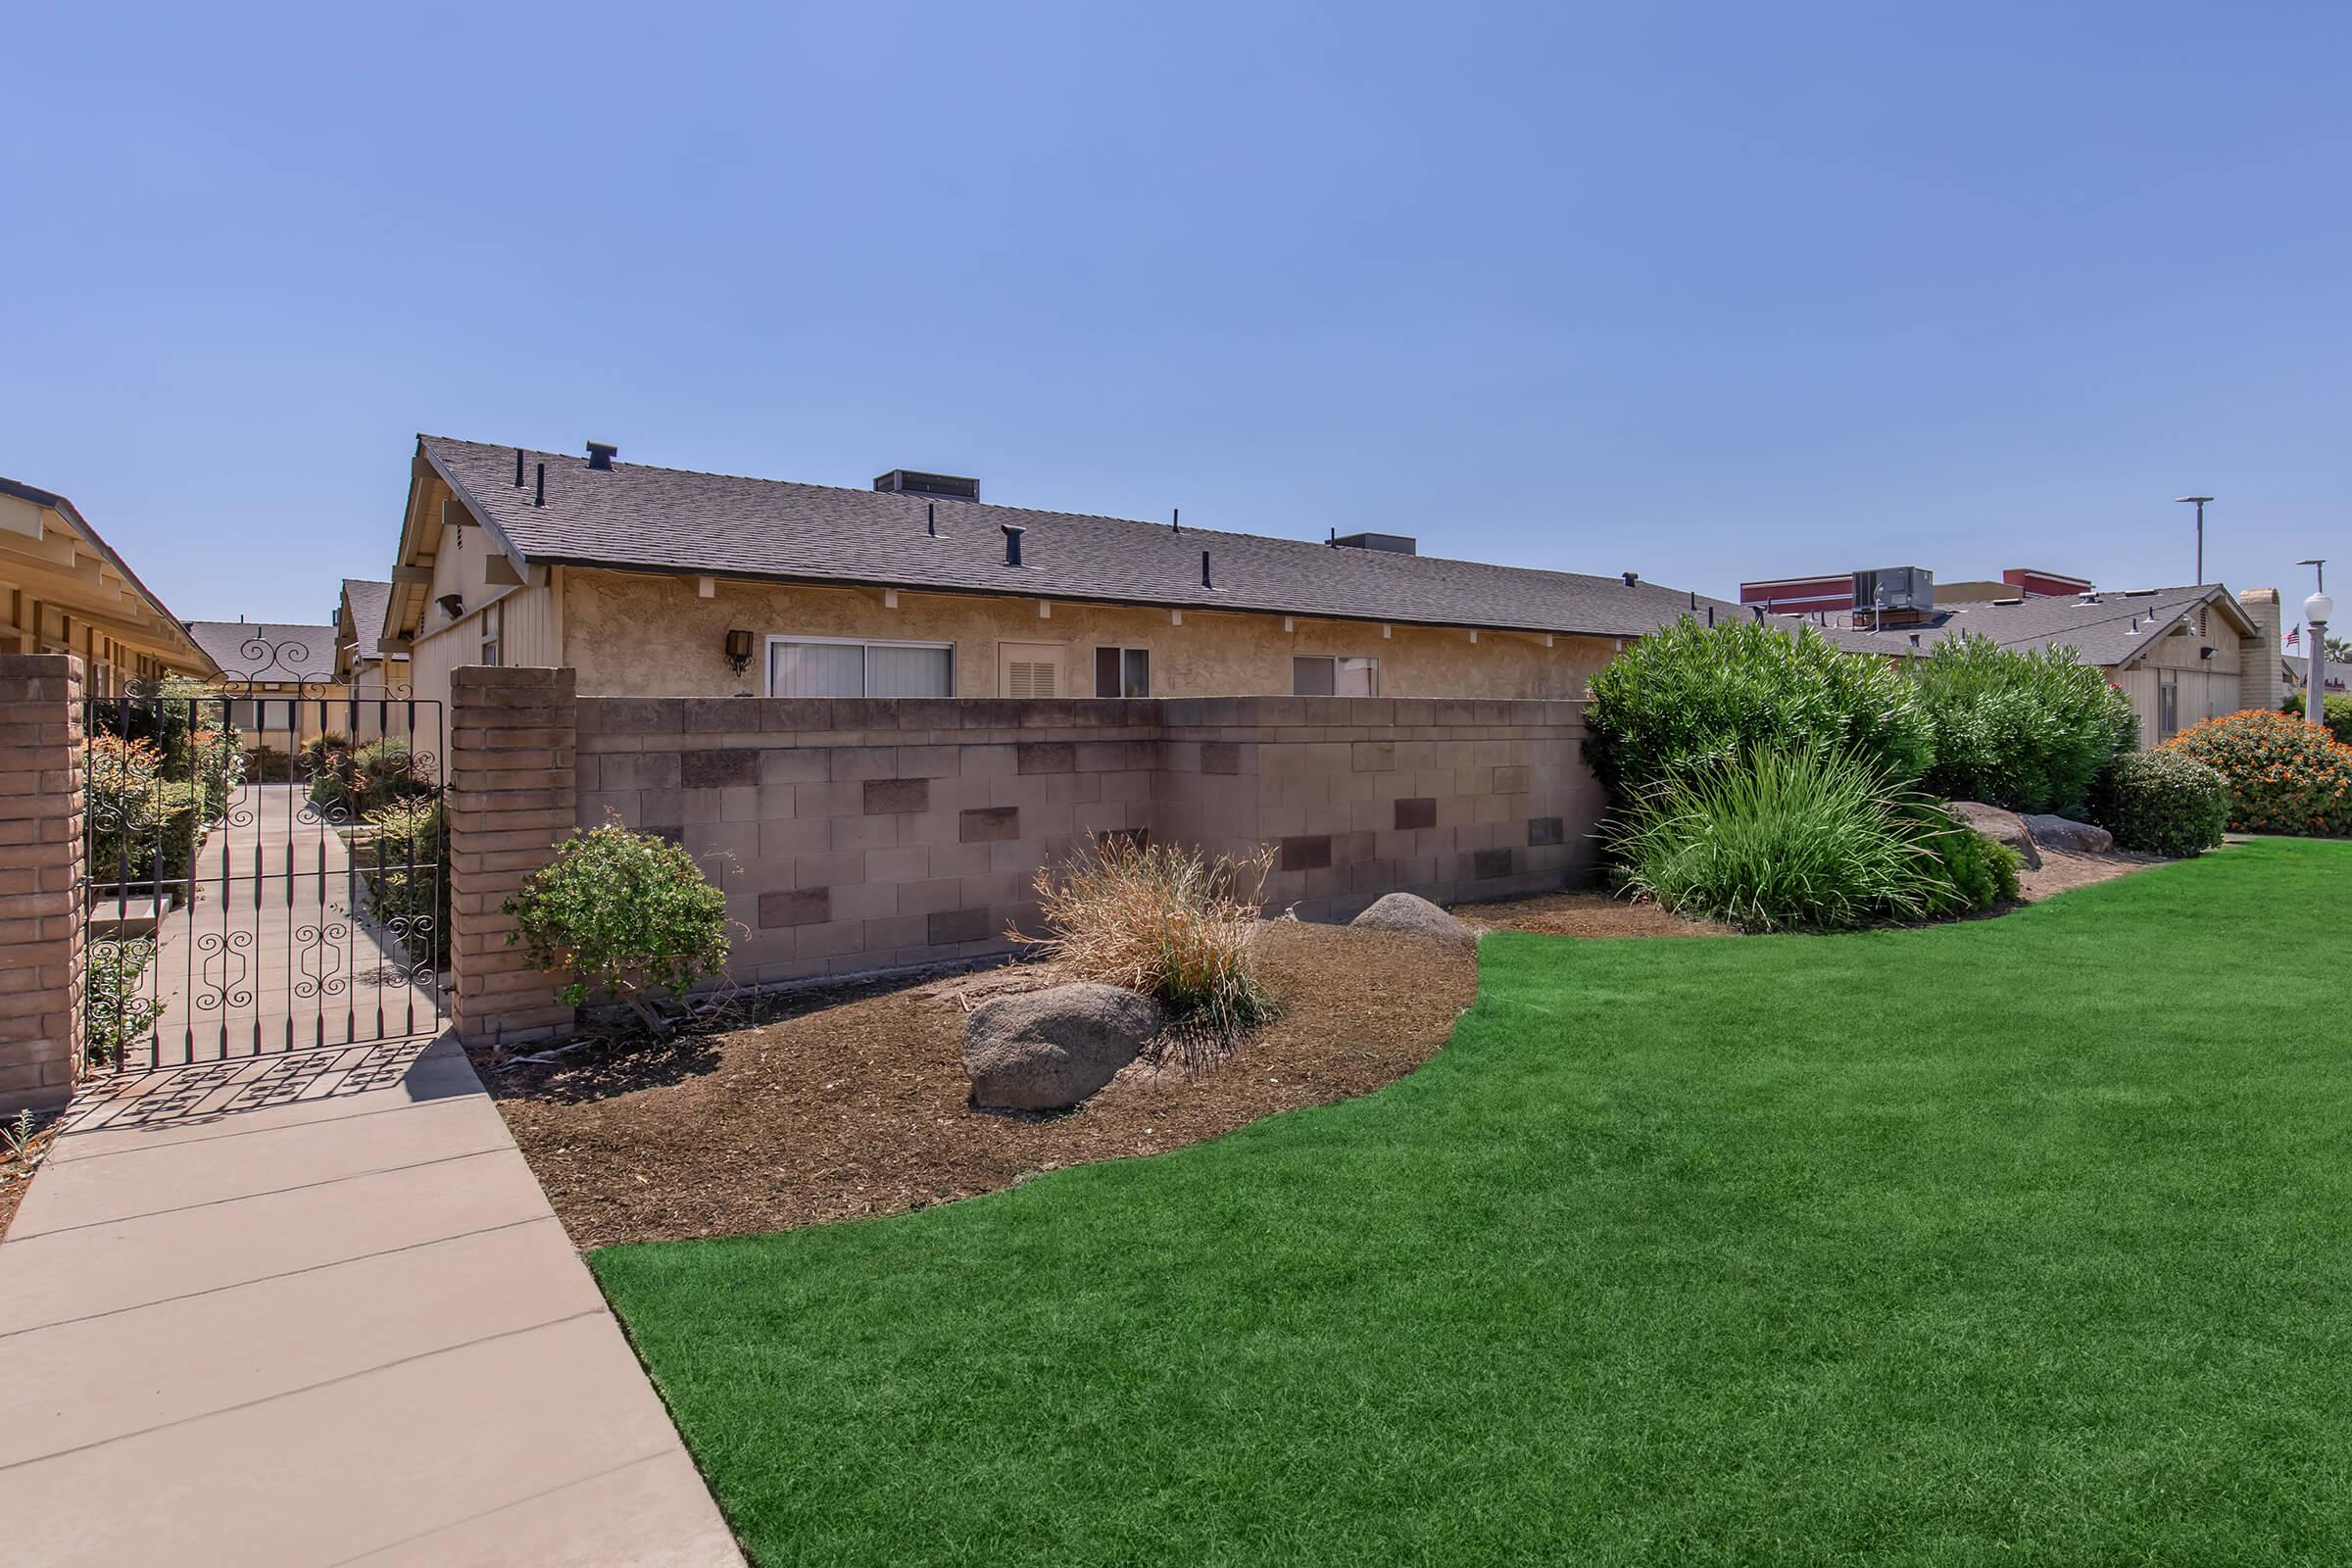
(796, 907)
(989, 824)
(888, 796)
(1304, 853)
(1416, 811)
(41, 851)
(719, 770)
(1542, 830)
(512, 794)
(1046, 757)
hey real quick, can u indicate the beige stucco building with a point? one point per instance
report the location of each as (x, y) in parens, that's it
(660, 582)
(63, 589)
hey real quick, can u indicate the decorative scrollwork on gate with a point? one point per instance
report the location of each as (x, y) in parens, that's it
(322, 949)
(224, 969)
(263, 659)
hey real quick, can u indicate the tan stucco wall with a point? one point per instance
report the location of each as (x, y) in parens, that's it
(631, 635)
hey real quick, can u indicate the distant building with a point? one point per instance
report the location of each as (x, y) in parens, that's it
(1832, 593)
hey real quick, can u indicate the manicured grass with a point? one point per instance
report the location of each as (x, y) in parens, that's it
(2018, 1241)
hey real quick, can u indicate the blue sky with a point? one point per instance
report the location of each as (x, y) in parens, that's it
(1706, 293)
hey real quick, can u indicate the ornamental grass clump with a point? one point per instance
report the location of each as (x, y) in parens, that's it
(2285, 775)
(1690, 698)
(1167, 921)
(624, 914)
(1784, 841)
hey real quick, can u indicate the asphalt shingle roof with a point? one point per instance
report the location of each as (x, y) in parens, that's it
(2108, 632)
(267, 651)
(369, 603)
(673, 520)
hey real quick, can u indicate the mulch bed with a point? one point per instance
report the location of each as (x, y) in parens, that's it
(855, 1105)
(16, 1175)
(1585, 914)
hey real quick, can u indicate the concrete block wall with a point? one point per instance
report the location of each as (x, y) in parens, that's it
(42, 849)
(1366, 796)
(853, 836)
(508, 799)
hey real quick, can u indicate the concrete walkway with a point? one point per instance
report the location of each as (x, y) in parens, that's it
(314, 1309)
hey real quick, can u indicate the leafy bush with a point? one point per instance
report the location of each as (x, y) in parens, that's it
(1170, 922)
(378, 774)
(402, 860)
(1972, 871)
(266, 765)
(2335, 711)
(2164, 802)
(1690, 698)
(141, 827)
(114, 1014)
(622, 913)
(2024, 731)
(2284, 776)
(315, 752)
(1784, 841)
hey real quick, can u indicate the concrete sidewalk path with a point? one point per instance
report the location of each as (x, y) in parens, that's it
(314, 1309)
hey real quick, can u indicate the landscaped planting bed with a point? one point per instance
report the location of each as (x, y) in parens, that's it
(1967, 1244)
(855, 1103)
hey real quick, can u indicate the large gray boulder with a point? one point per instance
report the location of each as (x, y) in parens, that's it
(1415, 916)
(2002, 827)
(1048, 1049)
(2074, 838)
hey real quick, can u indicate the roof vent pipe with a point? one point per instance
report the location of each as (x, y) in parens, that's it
(1631, 577)
(600, 454)
(1710, 614)
(931, 518)
(1205, 578)
(539, 490)
(1176, 519)
(1012, 543)
(518, 468)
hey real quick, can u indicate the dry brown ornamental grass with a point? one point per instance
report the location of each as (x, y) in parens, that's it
(1162, 919)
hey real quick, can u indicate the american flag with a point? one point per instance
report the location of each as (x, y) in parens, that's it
(2294, 639)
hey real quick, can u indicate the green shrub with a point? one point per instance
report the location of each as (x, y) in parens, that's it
(2285, 775)
(2336, 712)
(622, 913)
(114, 1014)
(315, 752)
(404, 860)
(2024, 731)
(366, 778)
(1690, 698)
(2164, 802)
(1972, 872)
(140, 827)
(1802, 840)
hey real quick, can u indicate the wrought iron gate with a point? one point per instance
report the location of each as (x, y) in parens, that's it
(263, 869)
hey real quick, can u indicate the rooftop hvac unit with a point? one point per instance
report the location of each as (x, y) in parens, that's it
(1894, 588)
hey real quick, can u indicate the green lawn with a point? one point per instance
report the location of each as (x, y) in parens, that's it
(2019, 1241)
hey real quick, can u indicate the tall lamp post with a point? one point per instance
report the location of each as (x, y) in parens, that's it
(2318, 611)
(2199, 503)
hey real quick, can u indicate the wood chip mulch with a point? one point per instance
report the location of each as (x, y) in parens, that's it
(856, 1104)
(1586, 914)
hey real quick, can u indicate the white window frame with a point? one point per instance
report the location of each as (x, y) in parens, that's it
(767, 655)
(1095, 677)
(1334, 659)
(494, 633)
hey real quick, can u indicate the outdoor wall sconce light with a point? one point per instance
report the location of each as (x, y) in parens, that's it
(739, 651)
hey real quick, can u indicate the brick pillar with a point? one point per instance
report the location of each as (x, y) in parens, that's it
(40, 879)
(509, 797)
(2259, 683)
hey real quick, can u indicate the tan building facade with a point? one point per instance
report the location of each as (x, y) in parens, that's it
(63, 589)
(465, 593)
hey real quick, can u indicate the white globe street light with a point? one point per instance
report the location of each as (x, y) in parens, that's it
(2318, 611)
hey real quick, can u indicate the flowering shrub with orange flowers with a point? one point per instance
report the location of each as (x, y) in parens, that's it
(2285, 775)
